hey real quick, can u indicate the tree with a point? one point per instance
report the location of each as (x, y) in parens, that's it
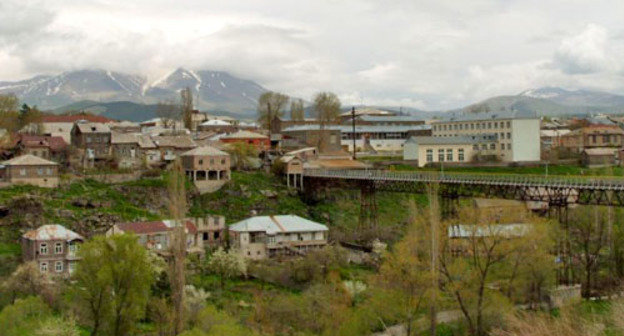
(478, 260)
(226, 265)
(30, 117)
(213, 322)
(588, 238)
(178, 208)
(113, 280)
(326, 110)
(296, 109)
(24, 316)
(161, 314)
(26, 280)
(241, 154)
(168, 112)
(270, 105)
(186, 98)
(8, 112)
(57, 326)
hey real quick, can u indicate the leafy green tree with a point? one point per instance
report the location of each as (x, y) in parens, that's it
(226, 265)
(57, 326)
(26, 280)
(24, 316)
(9, 112)
(296, 109)
(270, 105)
(241, 154)
(213, 322)
(113, 283)
(186, 98)
(327, 111)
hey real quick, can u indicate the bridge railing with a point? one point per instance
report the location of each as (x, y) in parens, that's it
(502, 179)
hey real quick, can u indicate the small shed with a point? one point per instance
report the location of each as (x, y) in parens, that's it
(598, 157)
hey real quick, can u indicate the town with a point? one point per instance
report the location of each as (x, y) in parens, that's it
(268, 168)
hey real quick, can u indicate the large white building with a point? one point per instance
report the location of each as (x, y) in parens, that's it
(517, 133)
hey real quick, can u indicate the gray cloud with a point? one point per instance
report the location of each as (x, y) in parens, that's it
(433, 54)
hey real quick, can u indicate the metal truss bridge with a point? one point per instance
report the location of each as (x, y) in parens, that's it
(557, 191)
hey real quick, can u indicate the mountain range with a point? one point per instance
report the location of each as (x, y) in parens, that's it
(212, 90)
(131, 97)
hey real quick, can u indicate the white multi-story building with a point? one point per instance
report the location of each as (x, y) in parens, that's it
(517, 133)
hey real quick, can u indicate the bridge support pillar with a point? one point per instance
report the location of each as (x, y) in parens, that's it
(368, 206)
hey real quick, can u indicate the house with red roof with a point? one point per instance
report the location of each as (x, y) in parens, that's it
(46, 147)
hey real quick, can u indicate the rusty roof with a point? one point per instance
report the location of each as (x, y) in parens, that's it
(52, 232)
(154, 226)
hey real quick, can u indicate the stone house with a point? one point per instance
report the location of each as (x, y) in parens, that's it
(94, 139)
(171, 146)
(47, 147)
(593, 136)
(206, 163)
(30, 169)
(262, 237)
(53, 248)
(260, 141)
(157, 235)
(599, 157)
(133, 149)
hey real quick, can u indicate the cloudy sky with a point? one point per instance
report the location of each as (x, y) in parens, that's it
(431, 54)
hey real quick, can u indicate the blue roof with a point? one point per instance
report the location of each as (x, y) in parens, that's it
(361, 129)
(274, 224)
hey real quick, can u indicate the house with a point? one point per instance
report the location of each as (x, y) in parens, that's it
(217, 125)
(263, 237)
(53, 247)
(206, 163)
(30, 169)
(593, 136)
(260, 141)
(46, 147)
(133, 149)
(125, 127)
(455, 149)
(61, 125)
(599, 157)
(171, 146)
(551, 138)
(517, 133)
(157, 235)
(462, 236)
(94, 139)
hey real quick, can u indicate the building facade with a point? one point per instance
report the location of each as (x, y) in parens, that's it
(93, 138)
(260, 141)
(30, 169)
(264, 237)
(53, 247)
(517, 133)
(593, 136)
(459, 149)
(206, 163)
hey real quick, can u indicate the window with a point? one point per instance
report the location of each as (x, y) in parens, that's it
(43, 267)
(509, 146)
(429, 155)
(222, 161)
(39, 171)
(201, 162)
(605, 138)
(58, 248)
(73, 248)
(496, 124)
(43, 248)
(471, 126)
(441, 155)
(475, 147)
(449, 154)
(492, 146)
(58, 266)
(484, 147)
(478, 126)
(509, 124)
(489, 125)
(461, 127)
(460, 154)
(508, 135)
(211, 161)
(503, 146)
(70, 266)
(22, 172)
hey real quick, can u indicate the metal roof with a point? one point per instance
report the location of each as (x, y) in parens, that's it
(504, 230)
(362, 128)
(276, 224)
(244, 135)
(485, 116)
(453, 140)
(398, 118)
(28, 160)
(52, 232)
(204, 151)
(92, 127)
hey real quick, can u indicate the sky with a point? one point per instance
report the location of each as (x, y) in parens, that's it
(427, 54)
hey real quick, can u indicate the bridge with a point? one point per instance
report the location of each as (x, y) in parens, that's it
(556, 191)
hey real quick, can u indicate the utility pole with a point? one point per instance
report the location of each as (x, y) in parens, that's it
(268, 151)
(353, 134)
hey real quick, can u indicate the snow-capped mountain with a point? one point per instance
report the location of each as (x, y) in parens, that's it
(212, 90)
(576, 97)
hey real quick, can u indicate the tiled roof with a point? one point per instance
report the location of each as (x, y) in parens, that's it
(73, 118)
(176, 141)
(92, 127)
(275, 224)
(204, 151)
(28, 160)
(154, 226)
(245, 135)
(52, 232)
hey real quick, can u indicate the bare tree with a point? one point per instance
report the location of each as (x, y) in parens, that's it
(271, 105)
(296, 109)
(177, 208)
(186, 100)
(327, 111)
(168, 112)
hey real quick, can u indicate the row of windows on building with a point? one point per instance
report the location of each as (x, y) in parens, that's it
(96, 139)
(472, 126)
(501, 135)
(40, 171)
(58, 266)
(385, 135)
(448, 154)
(492, 146)
(58, 248)
(212, 161)
(607, 138)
